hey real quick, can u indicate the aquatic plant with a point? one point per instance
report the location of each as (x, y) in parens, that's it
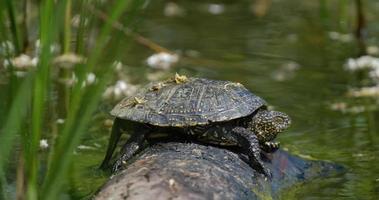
(28, 98)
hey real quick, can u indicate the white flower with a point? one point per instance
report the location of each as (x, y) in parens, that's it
(374, 74)
(363, 62)
(122, 85)
(216, 9)
(340, 106)
(118, 65)
(68, 60)
(60, 121)
(70, 81)
(192, 53)
(286, 71)
(172, 9)
(76, 21)
(340, 37)
(85, 147)
(119, 90)
(43, 144)
(162, 60)
(22, 62)
(372, 50)
(54, 48)
(6, 47)
(91, 78)
(365, 92)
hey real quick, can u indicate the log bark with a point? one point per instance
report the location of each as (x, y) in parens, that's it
(176, 170)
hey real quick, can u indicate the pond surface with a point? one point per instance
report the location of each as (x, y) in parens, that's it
(292, 55)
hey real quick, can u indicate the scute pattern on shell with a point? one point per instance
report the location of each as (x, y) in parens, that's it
(195, 102)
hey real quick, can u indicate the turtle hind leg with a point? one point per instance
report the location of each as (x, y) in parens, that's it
(270, 147)
(115, 137)
(130, 148)
(249, 142)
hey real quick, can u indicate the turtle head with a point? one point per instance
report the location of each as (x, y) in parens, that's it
(267, 124)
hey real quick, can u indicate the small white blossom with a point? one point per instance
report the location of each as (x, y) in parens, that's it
(365, 92)
(357, 109)
(118, 65)
(122, 85)
(363, 62)
(6, 47)
(162, 60)
(91, 78)
(216, 9)
(119, 90)
(54, 48)
(341, 37)
(76, 21)
(69, 81)
(68, 60)
(192, 53)
(339, 106)
(85, 147)
(172, 9)
(372, 50)
(285, 71)
(22, 62)
(374, 74)
(60, 121)
(43, 144)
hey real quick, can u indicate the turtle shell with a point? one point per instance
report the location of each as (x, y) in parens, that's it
(195, 102)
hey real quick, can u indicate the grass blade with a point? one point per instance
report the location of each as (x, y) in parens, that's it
(15, 120)
(41, 85)
(13, 25)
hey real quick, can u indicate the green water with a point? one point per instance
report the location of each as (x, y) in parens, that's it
(287, 57)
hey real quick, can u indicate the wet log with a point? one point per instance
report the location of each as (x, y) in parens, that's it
(176, 170)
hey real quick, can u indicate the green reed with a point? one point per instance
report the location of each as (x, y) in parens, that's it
(26, 116)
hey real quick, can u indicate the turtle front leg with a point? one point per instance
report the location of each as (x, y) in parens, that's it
(130, 148)
(115, 137)
(249, 142)
(270, 147)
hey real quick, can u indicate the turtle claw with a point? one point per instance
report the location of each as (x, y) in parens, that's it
(118, 165)
(267, 174)
(270, 147)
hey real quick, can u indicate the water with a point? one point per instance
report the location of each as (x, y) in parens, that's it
(287, 56)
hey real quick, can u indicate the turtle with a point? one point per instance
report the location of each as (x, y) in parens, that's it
(211, 111)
